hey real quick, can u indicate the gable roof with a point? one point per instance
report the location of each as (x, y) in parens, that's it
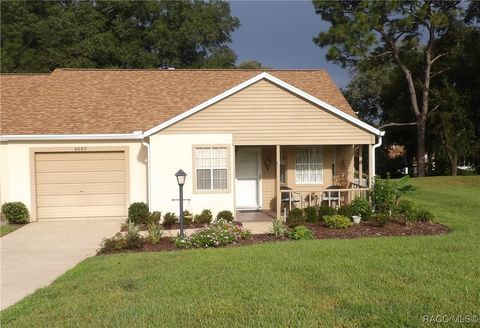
(99, 101)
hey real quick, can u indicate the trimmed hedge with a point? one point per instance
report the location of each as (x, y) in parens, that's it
(15, 212)
(138, 213)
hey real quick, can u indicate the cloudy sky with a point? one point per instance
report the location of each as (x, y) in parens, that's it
(279, 34)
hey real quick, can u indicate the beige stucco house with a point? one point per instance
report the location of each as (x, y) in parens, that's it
(85, 143)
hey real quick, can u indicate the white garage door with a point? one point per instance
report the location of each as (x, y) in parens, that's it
(80, 185)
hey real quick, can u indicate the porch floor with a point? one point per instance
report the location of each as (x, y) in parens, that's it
(255, 216)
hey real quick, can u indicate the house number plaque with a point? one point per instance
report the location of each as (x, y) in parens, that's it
(79, 148)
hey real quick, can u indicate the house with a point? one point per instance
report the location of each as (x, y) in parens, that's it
(85, 143)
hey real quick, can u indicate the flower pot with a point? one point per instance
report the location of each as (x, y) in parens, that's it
(356, 219)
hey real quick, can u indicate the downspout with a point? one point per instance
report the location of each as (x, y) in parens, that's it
(374, 147)
(149, 170)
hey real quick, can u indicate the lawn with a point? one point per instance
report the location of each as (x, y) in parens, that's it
(7, 228)
(382, 282)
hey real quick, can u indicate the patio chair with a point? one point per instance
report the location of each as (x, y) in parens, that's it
(332, 196)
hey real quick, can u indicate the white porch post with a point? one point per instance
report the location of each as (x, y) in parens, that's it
(360, 164)
(277, 180)
(371, 166)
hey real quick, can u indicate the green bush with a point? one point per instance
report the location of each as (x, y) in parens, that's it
(337, 221)
(311, 214)
(204, 218)
(404, 206)
(138, 213)
(420, 214)
(326, 210)
(360, 206)
(278, 229)
(300, 233)
(116, 243)
(380, 218)
(219, 233)
(155, 233)
(187, 217)
(226, 215)
(295, 218)
(383, 195)
(345, 210)
(154, 218)
(169, 219)
(133, 238)
(15, 212)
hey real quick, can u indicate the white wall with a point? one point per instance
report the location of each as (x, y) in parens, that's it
(15, 184)
(171, 152)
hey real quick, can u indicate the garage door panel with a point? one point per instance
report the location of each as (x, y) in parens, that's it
(81, 188)
(78, 156)
(83, 177)
(81, 166)
(80, 200)
(93, 212)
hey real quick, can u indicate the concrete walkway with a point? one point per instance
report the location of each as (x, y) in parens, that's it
(35, 255)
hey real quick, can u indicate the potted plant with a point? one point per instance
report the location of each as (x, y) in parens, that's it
(356, 218)
(361, 209)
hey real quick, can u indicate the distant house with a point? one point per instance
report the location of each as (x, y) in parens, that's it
(85, 143)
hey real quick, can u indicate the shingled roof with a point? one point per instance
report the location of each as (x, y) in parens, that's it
(109, 101)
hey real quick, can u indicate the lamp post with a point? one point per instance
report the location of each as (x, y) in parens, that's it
(181, 175)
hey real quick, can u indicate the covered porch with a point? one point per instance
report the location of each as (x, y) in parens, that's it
(270, 180)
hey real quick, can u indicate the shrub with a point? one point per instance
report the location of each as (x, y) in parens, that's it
(154, 218)
(300, 232)
(204, 218)
(138, 213)
(187, 217)
(15, 212)
(360, 206)
(383, 195)
(311, 214)
(380, 218)
(295, 217)
(326, 210)
(337, 221)
(404, 206)
(345, 210)
(226, 215)
(278, 229)
(133, 238)
(220, 233)
(169, 219)
(155, 232)
(116, 243)
(421, 214)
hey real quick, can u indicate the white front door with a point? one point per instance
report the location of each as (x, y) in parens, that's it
(247, 178)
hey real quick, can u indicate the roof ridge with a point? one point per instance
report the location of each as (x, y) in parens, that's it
(190, 69)
(25, 74)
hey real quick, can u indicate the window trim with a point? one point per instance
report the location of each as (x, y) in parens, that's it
(322, 159)
(194, 170)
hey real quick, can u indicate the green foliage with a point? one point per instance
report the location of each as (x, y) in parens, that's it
(345, 210)
(15, 212)
(138, 213)
(337, 221)
(278, 229)
(133, 238)
(116, 243)
(154, 218)
(204, 218)
(419, 214)
(155, 232)
(225, 215)
(187, 217)
(326, 210)
(383, 195)
(300, 233)
(219, 233)
(311, 214)
(360, 206)
(380, 219)
(39, 36)
(404, 206)
(295, 217)
(169, 219)
(402, 187)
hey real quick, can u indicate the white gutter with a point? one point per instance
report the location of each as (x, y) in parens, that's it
(374, 147)
(149, 170)
(43, 137)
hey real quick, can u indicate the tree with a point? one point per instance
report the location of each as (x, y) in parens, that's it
(249, 64)
(38, 36)
(404, 33)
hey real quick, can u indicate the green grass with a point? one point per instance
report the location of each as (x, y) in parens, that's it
(381, 282)
(7, 228)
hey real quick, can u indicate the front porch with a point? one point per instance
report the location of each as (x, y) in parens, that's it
(271, 180)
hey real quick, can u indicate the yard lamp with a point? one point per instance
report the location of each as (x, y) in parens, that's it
(181, 175)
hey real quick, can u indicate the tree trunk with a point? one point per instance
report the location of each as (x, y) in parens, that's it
(454, 163)
(421, 122)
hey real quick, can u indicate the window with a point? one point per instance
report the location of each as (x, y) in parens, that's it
(211, 165)
(309, 165)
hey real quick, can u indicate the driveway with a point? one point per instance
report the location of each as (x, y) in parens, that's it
(35, 255)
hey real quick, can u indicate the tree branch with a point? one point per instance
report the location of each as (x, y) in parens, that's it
(439, 72)
(439, 56)
(396, 124)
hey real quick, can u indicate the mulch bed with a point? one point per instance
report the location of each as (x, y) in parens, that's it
(364, 229)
